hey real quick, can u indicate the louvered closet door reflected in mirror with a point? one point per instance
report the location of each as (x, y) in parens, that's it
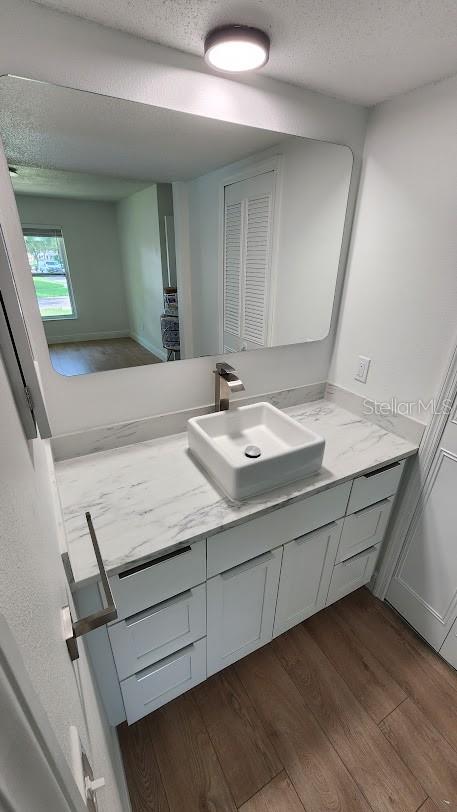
(248, 283)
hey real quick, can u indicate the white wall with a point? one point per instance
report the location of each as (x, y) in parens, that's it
(400, 299)
(93, 252)
(32, 592)
(43, 44)
(165, 209)
(139, 238)
(311, 201)
(315, 188)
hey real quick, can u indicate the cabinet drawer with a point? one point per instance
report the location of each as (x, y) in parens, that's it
(163, 681)
(364, 529)
(377, 485)
(146, 585)
(353, 573)
(232, 547)
(151, 635)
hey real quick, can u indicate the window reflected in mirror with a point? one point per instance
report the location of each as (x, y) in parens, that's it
(51, 276)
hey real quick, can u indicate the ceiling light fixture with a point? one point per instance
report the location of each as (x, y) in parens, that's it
(12, 170)
(237, 48)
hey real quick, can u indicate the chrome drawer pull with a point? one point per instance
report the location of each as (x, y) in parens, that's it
(356, 557)
(74, 629)
(370, 507)
(153, 563)
(381, 470)
(246, 565)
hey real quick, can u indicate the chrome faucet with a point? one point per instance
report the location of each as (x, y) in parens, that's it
(226, 381)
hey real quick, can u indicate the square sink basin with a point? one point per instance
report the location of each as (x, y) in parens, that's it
(254, 448)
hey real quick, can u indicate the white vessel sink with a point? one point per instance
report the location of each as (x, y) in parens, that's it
(288, 450)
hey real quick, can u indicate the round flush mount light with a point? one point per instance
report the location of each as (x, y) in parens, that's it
(237, 48)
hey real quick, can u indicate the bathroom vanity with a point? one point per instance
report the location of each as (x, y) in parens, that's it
(199, 581)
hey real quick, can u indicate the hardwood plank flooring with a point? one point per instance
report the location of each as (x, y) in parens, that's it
(383, 778)
(278, 796)
(431, 758)
(245, 752)
(367, 678)
(429, 806)
(81, 357)
(301, 725)
(142, 772)
(191, 772)
(319, 776)
(418, 670)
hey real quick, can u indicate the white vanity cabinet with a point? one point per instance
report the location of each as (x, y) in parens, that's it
(194, 610)
(241, 609)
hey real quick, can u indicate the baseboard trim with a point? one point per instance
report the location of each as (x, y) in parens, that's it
(67, 339)
(159, 352)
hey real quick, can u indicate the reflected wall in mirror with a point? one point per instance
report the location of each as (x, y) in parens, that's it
(154, 235)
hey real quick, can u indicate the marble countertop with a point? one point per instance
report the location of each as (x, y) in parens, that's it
(150, 497)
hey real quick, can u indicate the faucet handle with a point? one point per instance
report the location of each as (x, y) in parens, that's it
(222, 368)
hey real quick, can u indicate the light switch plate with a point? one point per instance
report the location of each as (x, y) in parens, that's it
(362, 369)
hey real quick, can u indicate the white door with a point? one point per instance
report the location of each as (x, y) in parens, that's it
(41, 703)
(248, 225)
(33, 772)
(449, 648)
(424, 586)
(306, 570)
(241, 607)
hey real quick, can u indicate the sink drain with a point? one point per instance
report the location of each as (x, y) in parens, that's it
(252, 451)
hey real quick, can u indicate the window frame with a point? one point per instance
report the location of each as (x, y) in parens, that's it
(44, 228)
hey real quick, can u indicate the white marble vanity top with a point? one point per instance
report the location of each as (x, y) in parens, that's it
(151, 496)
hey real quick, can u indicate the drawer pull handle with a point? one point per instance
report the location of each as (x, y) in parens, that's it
(75, 628)
(147, 614)
(150, 669)
(303, 539)
(370, 507)
(381, 470)
(247, 565)
(359, 555)
(147, 564)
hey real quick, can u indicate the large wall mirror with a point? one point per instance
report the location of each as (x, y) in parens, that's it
(154, 235)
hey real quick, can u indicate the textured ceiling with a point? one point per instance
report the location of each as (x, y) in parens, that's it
(360, 50)
(47, 126)
(32, 180)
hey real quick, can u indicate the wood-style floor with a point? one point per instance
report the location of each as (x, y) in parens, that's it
(81, 357)
(348, 712)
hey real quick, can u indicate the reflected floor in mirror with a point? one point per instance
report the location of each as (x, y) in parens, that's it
(81, 357)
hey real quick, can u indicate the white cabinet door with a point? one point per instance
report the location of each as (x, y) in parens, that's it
(424, 586)
(449, 648)
(241, 608)
(306, 570)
